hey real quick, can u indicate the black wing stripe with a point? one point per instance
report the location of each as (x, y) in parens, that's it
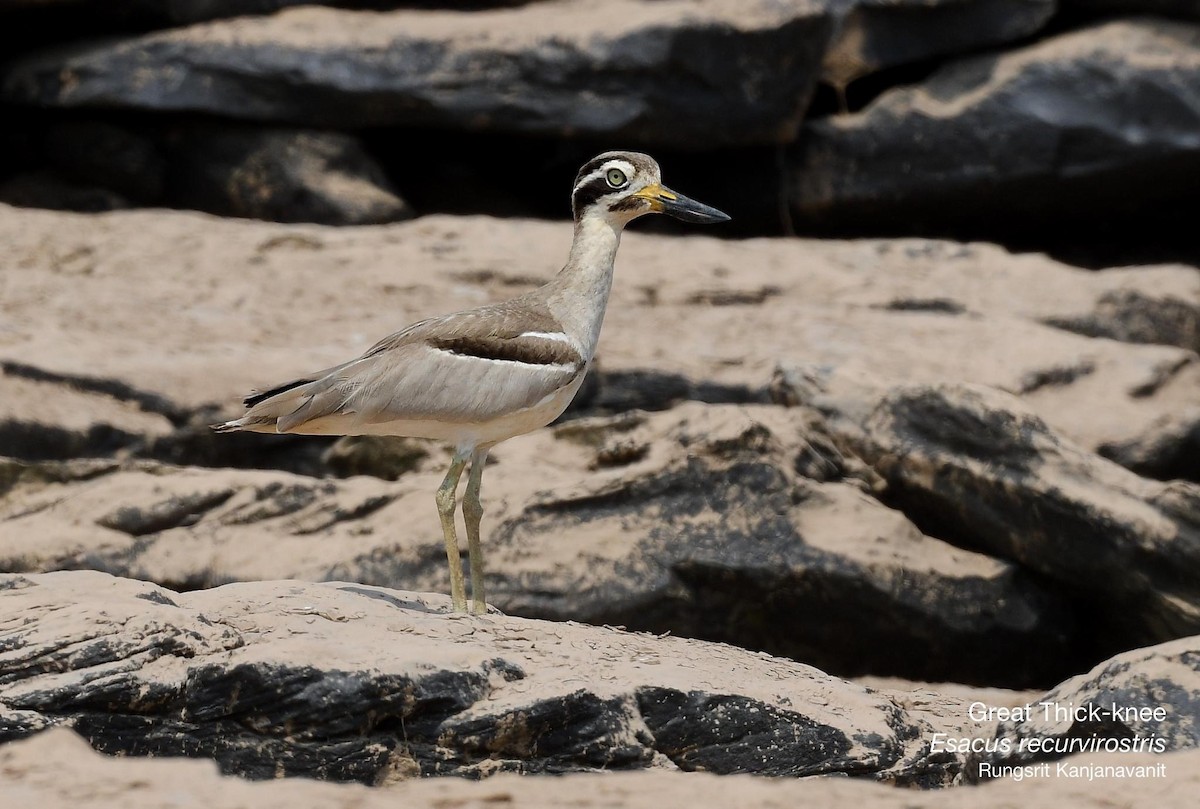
(262, 396)
(527, 350)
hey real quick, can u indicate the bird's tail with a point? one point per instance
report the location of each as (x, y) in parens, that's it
(247, 423)
(268, 407)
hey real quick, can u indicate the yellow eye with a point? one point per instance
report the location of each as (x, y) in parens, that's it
(616, 178)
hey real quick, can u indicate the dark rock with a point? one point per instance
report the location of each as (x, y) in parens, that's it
(974, 465)
(727, 734)
(48, 442)
(724, 73)
(645, 389)
(1145, 700)
(944, 306)
(1133, 316)
(879, 34)
(996, 144)
(195, 444)
(353, 683)
(14, 472)
(280, 175)
(164, 514)
(53, 769)
(46, 416)
(111, 387)
(1187, 9)
(48, 189)
(1169, 450)
(384, 457)
(100, 154)
(716, 537)
(19, 724)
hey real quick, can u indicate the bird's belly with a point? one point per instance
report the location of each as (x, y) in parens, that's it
(469, 434)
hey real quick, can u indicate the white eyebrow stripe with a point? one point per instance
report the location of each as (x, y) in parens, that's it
(615, 163)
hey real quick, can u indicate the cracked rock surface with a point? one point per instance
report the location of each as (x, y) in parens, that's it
(348, 682)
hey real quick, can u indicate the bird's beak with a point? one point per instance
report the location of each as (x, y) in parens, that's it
(664, 200)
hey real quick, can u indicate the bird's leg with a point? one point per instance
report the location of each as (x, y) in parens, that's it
(472, 514)
(445, 506)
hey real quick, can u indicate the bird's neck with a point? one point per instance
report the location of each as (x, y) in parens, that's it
(579, 293)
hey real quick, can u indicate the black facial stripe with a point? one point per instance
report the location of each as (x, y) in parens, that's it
(586, 195)
(590, 166)
(627, 204)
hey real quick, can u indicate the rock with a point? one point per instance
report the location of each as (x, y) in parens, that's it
(698, 524)
(48, 189)
(18, 5)
(725, 72)
(54, 768)
(1169, 450)
(947, 313)
(644, 389)
(1145, 700)
(974, 466)
(729, 523)
(346, 682)
(195, 444)
(1132, 316)
(126, 162)
(1170, 8)
(111, 286)
(878, 34)
(993, 144)
(283, 175)
(1096, 397)
(380, 456)
(182, 12)
(52, 419)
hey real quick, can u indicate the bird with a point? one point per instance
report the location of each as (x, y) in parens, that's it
(478, 377)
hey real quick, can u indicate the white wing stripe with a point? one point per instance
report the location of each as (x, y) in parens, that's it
(546, 335)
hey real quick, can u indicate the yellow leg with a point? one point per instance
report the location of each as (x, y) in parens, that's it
(445, 506)
(472, 514)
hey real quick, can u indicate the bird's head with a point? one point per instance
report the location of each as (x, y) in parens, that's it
(621, 186)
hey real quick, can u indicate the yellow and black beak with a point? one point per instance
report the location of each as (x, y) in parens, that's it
(664, 200)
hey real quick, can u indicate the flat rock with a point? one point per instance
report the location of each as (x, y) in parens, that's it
(735, 523)
(878, 34)
(45, 420)
(727, 72)
(270, 301)
(58, 770)
(973, 465)
(1008, 140)
(1145, 700)
(347, 682)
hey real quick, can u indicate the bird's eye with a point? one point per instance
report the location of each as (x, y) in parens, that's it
(616, 178)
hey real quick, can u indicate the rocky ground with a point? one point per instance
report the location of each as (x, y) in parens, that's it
(827, 515)
(909, 458)
(57, 770)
